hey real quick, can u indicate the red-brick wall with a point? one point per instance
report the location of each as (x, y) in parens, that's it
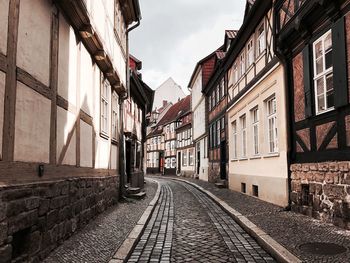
(299, 97)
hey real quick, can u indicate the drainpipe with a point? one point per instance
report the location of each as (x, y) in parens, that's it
(122, 155)
(288, 115)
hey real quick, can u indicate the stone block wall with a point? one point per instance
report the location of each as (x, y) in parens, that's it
(36, 218)
(322, 191)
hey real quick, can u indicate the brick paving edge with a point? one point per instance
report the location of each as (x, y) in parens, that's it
(126, 248)
(279, 252)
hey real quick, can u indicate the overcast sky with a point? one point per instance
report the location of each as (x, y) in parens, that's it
(175, 34)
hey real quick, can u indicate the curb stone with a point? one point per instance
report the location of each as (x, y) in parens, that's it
(124, 251)
(280, 253)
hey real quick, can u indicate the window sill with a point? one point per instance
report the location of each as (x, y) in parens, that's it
(243, 159)
(234, 160)
(255, 157)
(115, 142)
(261, 55)
(325, 111)
(104, 136)
(272, 155)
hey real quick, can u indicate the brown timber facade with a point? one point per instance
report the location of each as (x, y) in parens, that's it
(313, 39)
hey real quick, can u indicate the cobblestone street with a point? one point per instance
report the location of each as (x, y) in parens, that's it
(188, 226)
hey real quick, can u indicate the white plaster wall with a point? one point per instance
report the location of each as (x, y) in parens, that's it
(65, 125)
(67, 62)
(85, 144)
(86, 81)
(114, 157)
(102, 154)
(2, 96)
(197, 89)
(33, 54)
(199, 120)
(32, 128)
(169, 91)
(4, 7)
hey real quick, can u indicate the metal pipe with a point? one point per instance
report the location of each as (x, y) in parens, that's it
(122, 154)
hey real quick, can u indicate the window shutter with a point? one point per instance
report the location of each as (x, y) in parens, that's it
(307, 72)
(339, 64)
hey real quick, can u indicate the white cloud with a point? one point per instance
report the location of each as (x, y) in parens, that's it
(175, 34)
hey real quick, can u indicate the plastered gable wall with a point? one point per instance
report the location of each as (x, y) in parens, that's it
(67, 62)
(32, 128)
(66, 137)
(2, 96)
(4, 8)
(86, 81)
(33, 51)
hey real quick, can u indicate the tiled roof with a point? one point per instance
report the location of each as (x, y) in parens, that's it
(177, 110)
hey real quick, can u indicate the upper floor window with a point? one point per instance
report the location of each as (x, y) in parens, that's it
(234, 140)
(105, 91)
(272, 124)
(241, 64)
(250, 53)
(217, 97)
(222, 85)
(115, 116)
(235, 73)
(323, 73)
(255, 128)
(261, 39)
(244, 135)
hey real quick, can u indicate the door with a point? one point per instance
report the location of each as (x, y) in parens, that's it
(128, 159)
(161, 162)
(198, 161)
(223, 160)
(179, 162)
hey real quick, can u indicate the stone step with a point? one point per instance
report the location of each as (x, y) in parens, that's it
(221, 184)
(137, 196)
(133, 190)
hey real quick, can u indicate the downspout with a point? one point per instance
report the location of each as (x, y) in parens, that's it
(122, 150)
(288, 115)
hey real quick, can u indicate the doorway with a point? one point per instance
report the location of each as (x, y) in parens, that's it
(179, 162)
(223, 160)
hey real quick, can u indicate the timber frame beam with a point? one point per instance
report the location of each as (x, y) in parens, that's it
(78, 15)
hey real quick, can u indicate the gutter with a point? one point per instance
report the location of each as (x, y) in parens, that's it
(122, 150)
(288, 116)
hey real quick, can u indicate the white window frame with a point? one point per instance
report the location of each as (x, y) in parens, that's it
(115, 116)
(234, 140)
(250, 53)
(255, 130)
(104, 117)
(261, 39)
(243, 121)
(235, 72)
(322, 75)
(272, 132)
(242, 65)
(184, 158)
(191, 157)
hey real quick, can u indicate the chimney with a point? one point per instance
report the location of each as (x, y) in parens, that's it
(165, 102)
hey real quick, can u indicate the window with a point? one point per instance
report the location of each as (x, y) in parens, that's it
(172, 127)
(218, 132)
(272, 125)
(184, 158)
(244, 135)
(323, 73)
(242, 65)
(172, 145)
(222, 85)
(235, 73)
(222, 123)
(255, 124)
(261, 42)
(173, 162)
(213, 100)
(167, 147)
(115, 116)
(250, 53)
(255, 191)
(104, 106)
(234, 140)
(210, 102)
(217, 95)
(243, 187)
(190, 157)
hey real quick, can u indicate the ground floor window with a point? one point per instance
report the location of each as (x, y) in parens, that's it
(191, 157)
(184, 158)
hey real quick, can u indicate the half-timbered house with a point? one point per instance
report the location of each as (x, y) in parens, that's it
(256, 109)
(313, 39)
(63, 77)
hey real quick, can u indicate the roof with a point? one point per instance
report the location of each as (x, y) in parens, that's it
(177, 110)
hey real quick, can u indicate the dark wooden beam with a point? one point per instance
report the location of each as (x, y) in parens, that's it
(8, 138)
(3, 61)
(54, 83)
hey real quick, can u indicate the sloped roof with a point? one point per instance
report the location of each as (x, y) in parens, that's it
(177, 110)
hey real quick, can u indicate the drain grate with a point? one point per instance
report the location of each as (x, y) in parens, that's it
(319, 248)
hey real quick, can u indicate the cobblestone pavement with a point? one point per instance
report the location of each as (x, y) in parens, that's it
(202, 231)
(97, 241)
(288, 228)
